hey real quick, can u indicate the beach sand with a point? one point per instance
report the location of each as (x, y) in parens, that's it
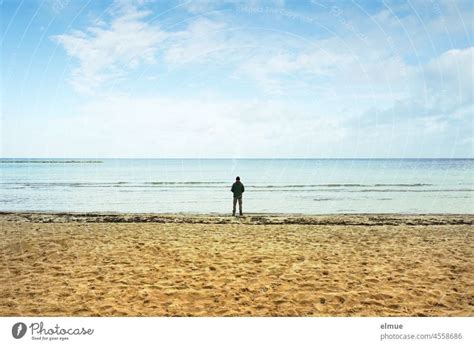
(184, 265)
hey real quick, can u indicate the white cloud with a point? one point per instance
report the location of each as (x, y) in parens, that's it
(123, 126)
(439, 91)
(452, 71)
(202, 38)
(173, 127)
(105, 54)
(277, 63)
(271, 71)
(206, 6)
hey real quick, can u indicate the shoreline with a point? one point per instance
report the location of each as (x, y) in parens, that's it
(366, 219)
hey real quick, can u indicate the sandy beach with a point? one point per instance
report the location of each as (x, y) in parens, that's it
(259, 265)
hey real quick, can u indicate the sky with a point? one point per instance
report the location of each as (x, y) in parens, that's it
(237, 79)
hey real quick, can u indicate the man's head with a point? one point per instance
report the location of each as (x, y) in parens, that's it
(237, 179)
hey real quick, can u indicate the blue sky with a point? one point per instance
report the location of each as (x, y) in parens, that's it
(206, 79)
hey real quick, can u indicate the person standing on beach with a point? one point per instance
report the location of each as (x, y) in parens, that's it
(238, 189)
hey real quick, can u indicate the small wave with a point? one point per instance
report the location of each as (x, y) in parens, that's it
(185, 182)
(51, 161)
(416, 184)
(104, 184)
(412, 190)
(66, 184)
(8, 186)
(339, 185)
(308, 185)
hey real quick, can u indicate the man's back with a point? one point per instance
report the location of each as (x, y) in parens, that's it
(238, 189)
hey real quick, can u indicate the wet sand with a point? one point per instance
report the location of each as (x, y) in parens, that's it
(260, 265)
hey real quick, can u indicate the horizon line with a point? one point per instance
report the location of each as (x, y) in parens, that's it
(237, 158)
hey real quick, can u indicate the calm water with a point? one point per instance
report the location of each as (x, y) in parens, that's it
(272, 186)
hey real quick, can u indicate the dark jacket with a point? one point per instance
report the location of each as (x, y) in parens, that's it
(238, 189)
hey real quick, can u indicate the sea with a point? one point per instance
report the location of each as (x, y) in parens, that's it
(274, 186)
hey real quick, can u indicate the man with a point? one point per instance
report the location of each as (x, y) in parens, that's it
(238, 189)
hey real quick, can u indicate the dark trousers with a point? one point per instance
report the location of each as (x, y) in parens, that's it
(239, 199)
